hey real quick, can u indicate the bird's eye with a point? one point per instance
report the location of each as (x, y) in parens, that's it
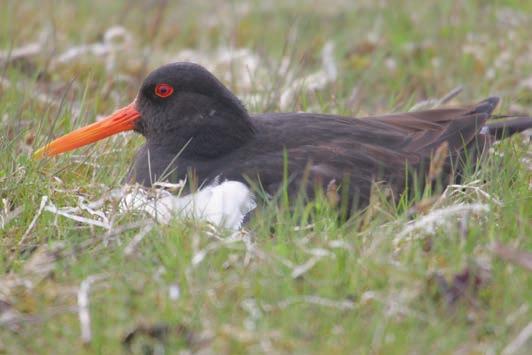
(163, 90)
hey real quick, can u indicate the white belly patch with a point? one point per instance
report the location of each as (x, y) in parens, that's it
(224, 204)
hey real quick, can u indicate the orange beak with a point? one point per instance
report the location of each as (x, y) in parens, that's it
(122, 120)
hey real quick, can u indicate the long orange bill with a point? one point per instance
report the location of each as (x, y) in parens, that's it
(122, 120)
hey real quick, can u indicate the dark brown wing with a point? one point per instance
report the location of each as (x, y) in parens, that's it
(429, 129)
(321, 148)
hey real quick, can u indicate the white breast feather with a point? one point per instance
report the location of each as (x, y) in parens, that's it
(224, 205)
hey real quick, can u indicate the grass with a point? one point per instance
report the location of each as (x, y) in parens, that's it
(365, 291)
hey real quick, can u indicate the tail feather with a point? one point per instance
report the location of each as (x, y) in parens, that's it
(504, 129)
(486, 106)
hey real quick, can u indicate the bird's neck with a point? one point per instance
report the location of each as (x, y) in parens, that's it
(226, 133)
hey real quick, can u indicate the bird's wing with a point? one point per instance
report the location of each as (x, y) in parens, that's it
(429, 129)
(380, 148)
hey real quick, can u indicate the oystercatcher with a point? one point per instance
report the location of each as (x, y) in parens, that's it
(194, 126)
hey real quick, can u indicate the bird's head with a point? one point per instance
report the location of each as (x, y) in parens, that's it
(176, 102)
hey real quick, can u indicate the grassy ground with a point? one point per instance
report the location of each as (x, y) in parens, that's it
(368, 286)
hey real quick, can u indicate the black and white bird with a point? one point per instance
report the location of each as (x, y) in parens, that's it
(198, 129)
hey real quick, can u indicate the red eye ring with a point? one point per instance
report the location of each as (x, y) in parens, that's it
(164, 90)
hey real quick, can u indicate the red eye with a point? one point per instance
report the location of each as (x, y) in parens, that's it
(163, 90)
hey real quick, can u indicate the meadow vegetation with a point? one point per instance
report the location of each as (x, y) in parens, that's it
(445, 272)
